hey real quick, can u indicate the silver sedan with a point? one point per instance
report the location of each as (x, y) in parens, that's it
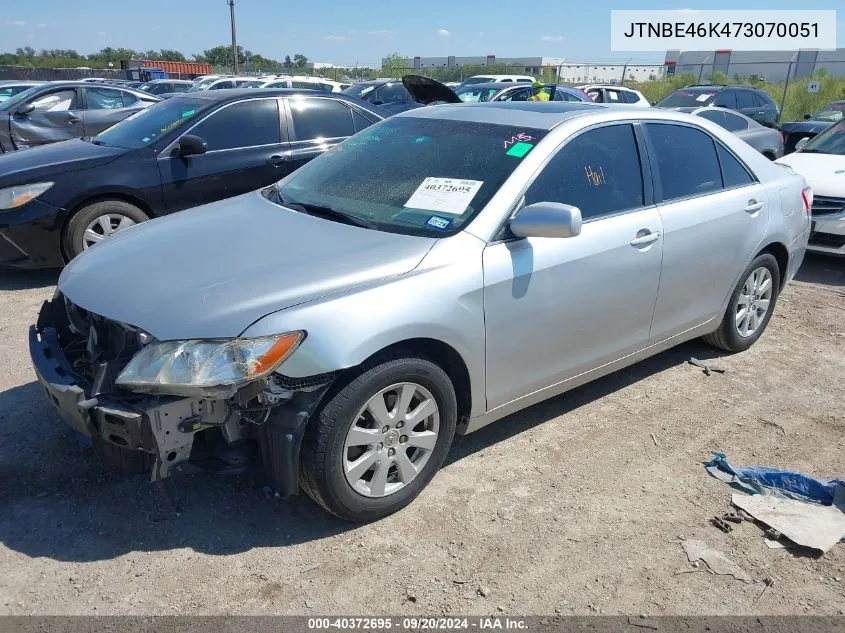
(434, 273)
(768, 141)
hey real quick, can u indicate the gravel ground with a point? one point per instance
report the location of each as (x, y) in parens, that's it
(576, 505)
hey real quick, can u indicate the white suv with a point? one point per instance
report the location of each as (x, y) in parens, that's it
(615, 94)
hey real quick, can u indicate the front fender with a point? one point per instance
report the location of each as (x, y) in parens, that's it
(441, 299)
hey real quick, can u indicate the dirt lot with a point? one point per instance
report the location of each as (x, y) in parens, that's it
(568, 507)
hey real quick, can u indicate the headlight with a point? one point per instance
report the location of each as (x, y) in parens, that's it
(206, 367)
(19, 195)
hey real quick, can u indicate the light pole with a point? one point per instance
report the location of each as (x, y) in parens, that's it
(234, 37)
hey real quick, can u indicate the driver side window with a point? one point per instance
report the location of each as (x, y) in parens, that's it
(598, 171)
(59, 101)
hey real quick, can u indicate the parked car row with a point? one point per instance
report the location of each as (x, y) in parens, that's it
(280, 327)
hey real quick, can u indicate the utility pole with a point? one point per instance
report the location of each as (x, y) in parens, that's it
(234, 37)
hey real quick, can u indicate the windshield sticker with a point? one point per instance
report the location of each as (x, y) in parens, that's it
(704, 97)
(187, 113)
(445, 195)
(595, 178)
(441, 224)
(522, 136)
(519, 150)
(420, 139)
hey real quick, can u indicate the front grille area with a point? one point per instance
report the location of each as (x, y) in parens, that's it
(97, 348)
(825, 205)
(829, 240)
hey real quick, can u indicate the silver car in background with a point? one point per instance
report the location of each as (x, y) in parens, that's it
(768, 141)
(432, 274)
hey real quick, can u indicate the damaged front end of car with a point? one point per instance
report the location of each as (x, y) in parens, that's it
(183, 406)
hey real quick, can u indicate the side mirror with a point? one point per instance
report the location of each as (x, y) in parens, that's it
(25, 109)
(802, 143)
(191, 144)
(547, 219)
(807, 116)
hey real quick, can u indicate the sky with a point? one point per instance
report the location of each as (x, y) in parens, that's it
(347, 33)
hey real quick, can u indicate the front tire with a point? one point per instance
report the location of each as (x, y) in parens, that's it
(750, 307)
(98, 221)
(380, 438)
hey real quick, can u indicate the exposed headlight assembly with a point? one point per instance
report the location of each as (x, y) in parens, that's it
(206, 368)
(19, 195)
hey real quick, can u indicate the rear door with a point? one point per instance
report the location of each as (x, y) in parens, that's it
(746, 104)
(56, 117)
(103, 107)
(316, 124)
(714, 215)
(247, 150)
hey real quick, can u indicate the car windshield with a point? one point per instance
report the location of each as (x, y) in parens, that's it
(199, 87)
(146, 87)
(148, 125)
(408, 175)
(479, 80)
(832, 112)
(362, 89)
(11, 102)
(686, 99)
(252, 84)
(475, 93)
(831, 141)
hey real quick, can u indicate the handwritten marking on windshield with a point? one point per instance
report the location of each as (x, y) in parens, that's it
(522, 136)
(595, 178)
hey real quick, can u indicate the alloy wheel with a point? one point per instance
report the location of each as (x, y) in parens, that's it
(753, 302)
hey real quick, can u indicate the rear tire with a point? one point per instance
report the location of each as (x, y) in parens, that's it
(747, 297)
(102, 219)
(331, 445)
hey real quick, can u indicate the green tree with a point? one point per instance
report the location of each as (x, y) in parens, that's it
(288, 63)
(395, 65)
(299, 60)
(26, 51)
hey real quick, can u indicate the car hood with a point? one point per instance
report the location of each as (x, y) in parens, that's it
(212, 271)
(812, 127)
(825, 173)
(29, 165)
(426, 90)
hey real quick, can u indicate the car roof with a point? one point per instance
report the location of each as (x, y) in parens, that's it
(233, 94)
(20, 82)
(587, 86)
(543, 115)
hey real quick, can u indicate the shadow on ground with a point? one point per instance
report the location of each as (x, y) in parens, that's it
(12, 279)
(59, 502)
(822, 269)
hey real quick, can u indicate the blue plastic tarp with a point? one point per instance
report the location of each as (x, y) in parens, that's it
(773, 481)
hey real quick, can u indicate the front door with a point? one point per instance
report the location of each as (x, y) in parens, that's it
(247, 150)
(555, 308)
(714, 217)
(56, 117)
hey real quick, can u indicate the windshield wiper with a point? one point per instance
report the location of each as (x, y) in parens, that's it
(322, 211)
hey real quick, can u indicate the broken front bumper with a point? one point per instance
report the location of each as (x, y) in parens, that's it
(171, 429)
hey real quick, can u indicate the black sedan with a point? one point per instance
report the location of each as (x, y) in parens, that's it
(60, 110)
(813, 124)
(58, 200)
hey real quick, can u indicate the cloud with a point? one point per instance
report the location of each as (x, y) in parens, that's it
(42, 25)
(443, 33)
(552, 38)
(14, 23)
(31, 36)
(335, 38)
(687, 10)
(382, 32)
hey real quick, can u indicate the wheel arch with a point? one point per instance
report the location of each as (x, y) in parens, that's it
(781, 254)
(77, 205)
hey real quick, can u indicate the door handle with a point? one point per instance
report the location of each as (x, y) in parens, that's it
(277, 160)
(73, 119)
(753, 206)
(645, 238)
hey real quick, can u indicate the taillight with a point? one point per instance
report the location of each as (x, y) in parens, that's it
(807, 196)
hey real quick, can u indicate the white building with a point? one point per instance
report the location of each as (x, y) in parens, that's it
(608, 73)
(520, 65)
(770, 66)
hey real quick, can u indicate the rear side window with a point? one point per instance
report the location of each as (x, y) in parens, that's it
(686, 160)
(734, 123)
(392, 93)
(598, 171)
(613, 97)
(360, 121)
(222, 85)
(103, 98)
(734, 174)
(129, 99)
(762, 99)
(304, 85)
(244, 124)
(320, 118)
(744, 99)
(631, 97)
